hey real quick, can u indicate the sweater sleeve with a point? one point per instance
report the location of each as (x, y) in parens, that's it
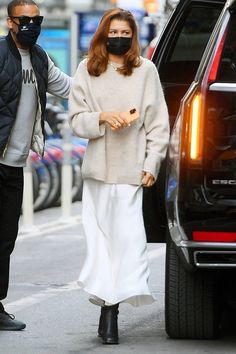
(156, 124)
(83, 121)
(59, 83)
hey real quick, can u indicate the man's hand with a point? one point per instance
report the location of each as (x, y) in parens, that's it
(147, 179)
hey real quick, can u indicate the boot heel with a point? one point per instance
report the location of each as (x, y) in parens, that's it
(110, 326)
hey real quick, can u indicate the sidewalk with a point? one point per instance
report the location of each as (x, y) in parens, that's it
(59, 319)
(50, 219)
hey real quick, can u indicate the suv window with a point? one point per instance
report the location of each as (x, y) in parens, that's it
(227, 68)
(189, 44)
(195, 34)
(178, 57)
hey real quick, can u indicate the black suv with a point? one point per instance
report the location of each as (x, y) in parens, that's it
(196, 60)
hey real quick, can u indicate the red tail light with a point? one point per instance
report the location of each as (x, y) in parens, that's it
(214, 236)
(216, 60)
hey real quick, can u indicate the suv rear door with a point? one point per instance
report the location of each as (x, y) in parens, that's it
(201, 209)
(205, 196)
(177, 57)
(220, 130)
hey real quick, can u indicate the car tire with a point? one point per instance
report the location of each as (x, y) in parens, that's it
(78, 184)
(56, 185)
(191, 310)
(45, 185)
(35, 183)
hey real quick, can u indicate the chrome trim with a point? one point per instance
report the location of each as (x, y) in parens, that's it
(214, 265)
(224, 87)
(177, 233)
(214, 245)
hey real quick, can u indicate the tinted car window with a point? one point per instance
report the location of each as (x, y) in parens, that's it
(186, 51)
(227, 69)
(178, 56)
(195, 34)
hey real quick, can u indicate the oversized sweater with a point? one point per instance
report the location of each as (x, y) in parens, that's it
(120, 156)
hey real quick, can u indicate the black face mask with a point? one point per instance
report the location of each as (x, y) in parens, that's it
(118, 45)
(27, 35)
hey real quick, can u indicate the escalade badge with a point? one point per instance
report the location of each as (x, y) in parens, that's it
(224, 181)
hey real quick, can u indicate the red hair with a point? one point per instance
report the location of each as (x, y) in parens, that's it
(98, 54)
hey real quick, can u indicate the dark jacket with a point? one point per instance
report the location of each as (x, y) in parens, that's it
(11, 84)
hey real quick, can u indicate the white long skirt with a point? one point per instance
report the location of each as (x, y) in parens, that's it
(116, 266)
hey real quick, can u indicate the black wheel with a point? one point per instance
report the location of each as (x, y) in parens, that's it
(55, 187)
(77, 183)
(35, 183)
(191, 310)
(45, 184)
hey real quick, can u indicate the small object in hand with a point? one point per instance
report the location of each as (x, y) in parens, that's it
(131, 115)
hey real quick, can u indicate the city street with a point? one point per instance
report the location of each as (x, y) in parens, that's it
(59, 318)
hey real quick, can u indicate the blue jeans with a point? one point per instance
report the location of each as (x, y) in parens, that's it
(11, 192)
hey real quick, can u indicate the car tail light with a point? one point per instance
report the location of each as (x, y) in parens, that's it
(216, 61)
(195, 111)
(214, 236)
(196, 128)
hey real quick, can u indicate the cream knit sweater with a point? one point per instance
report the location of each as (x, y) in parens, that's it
(120, 156)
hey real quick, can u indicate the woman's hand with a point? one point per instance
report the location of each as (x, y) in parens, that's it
(147, 179)
(114, 119)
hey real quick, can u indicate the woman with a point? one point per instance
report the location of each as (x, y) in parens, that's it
(120, 158)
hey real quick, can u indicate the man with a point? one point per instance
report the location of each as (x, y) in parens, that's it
(26, 74)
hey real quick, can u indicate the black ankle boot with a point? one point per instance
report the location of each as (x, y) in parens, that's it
(101, 320)
(109, 324)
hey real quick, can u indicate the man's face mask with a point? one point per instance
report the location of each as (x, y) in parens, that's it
(118, 45)
(29, 29)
